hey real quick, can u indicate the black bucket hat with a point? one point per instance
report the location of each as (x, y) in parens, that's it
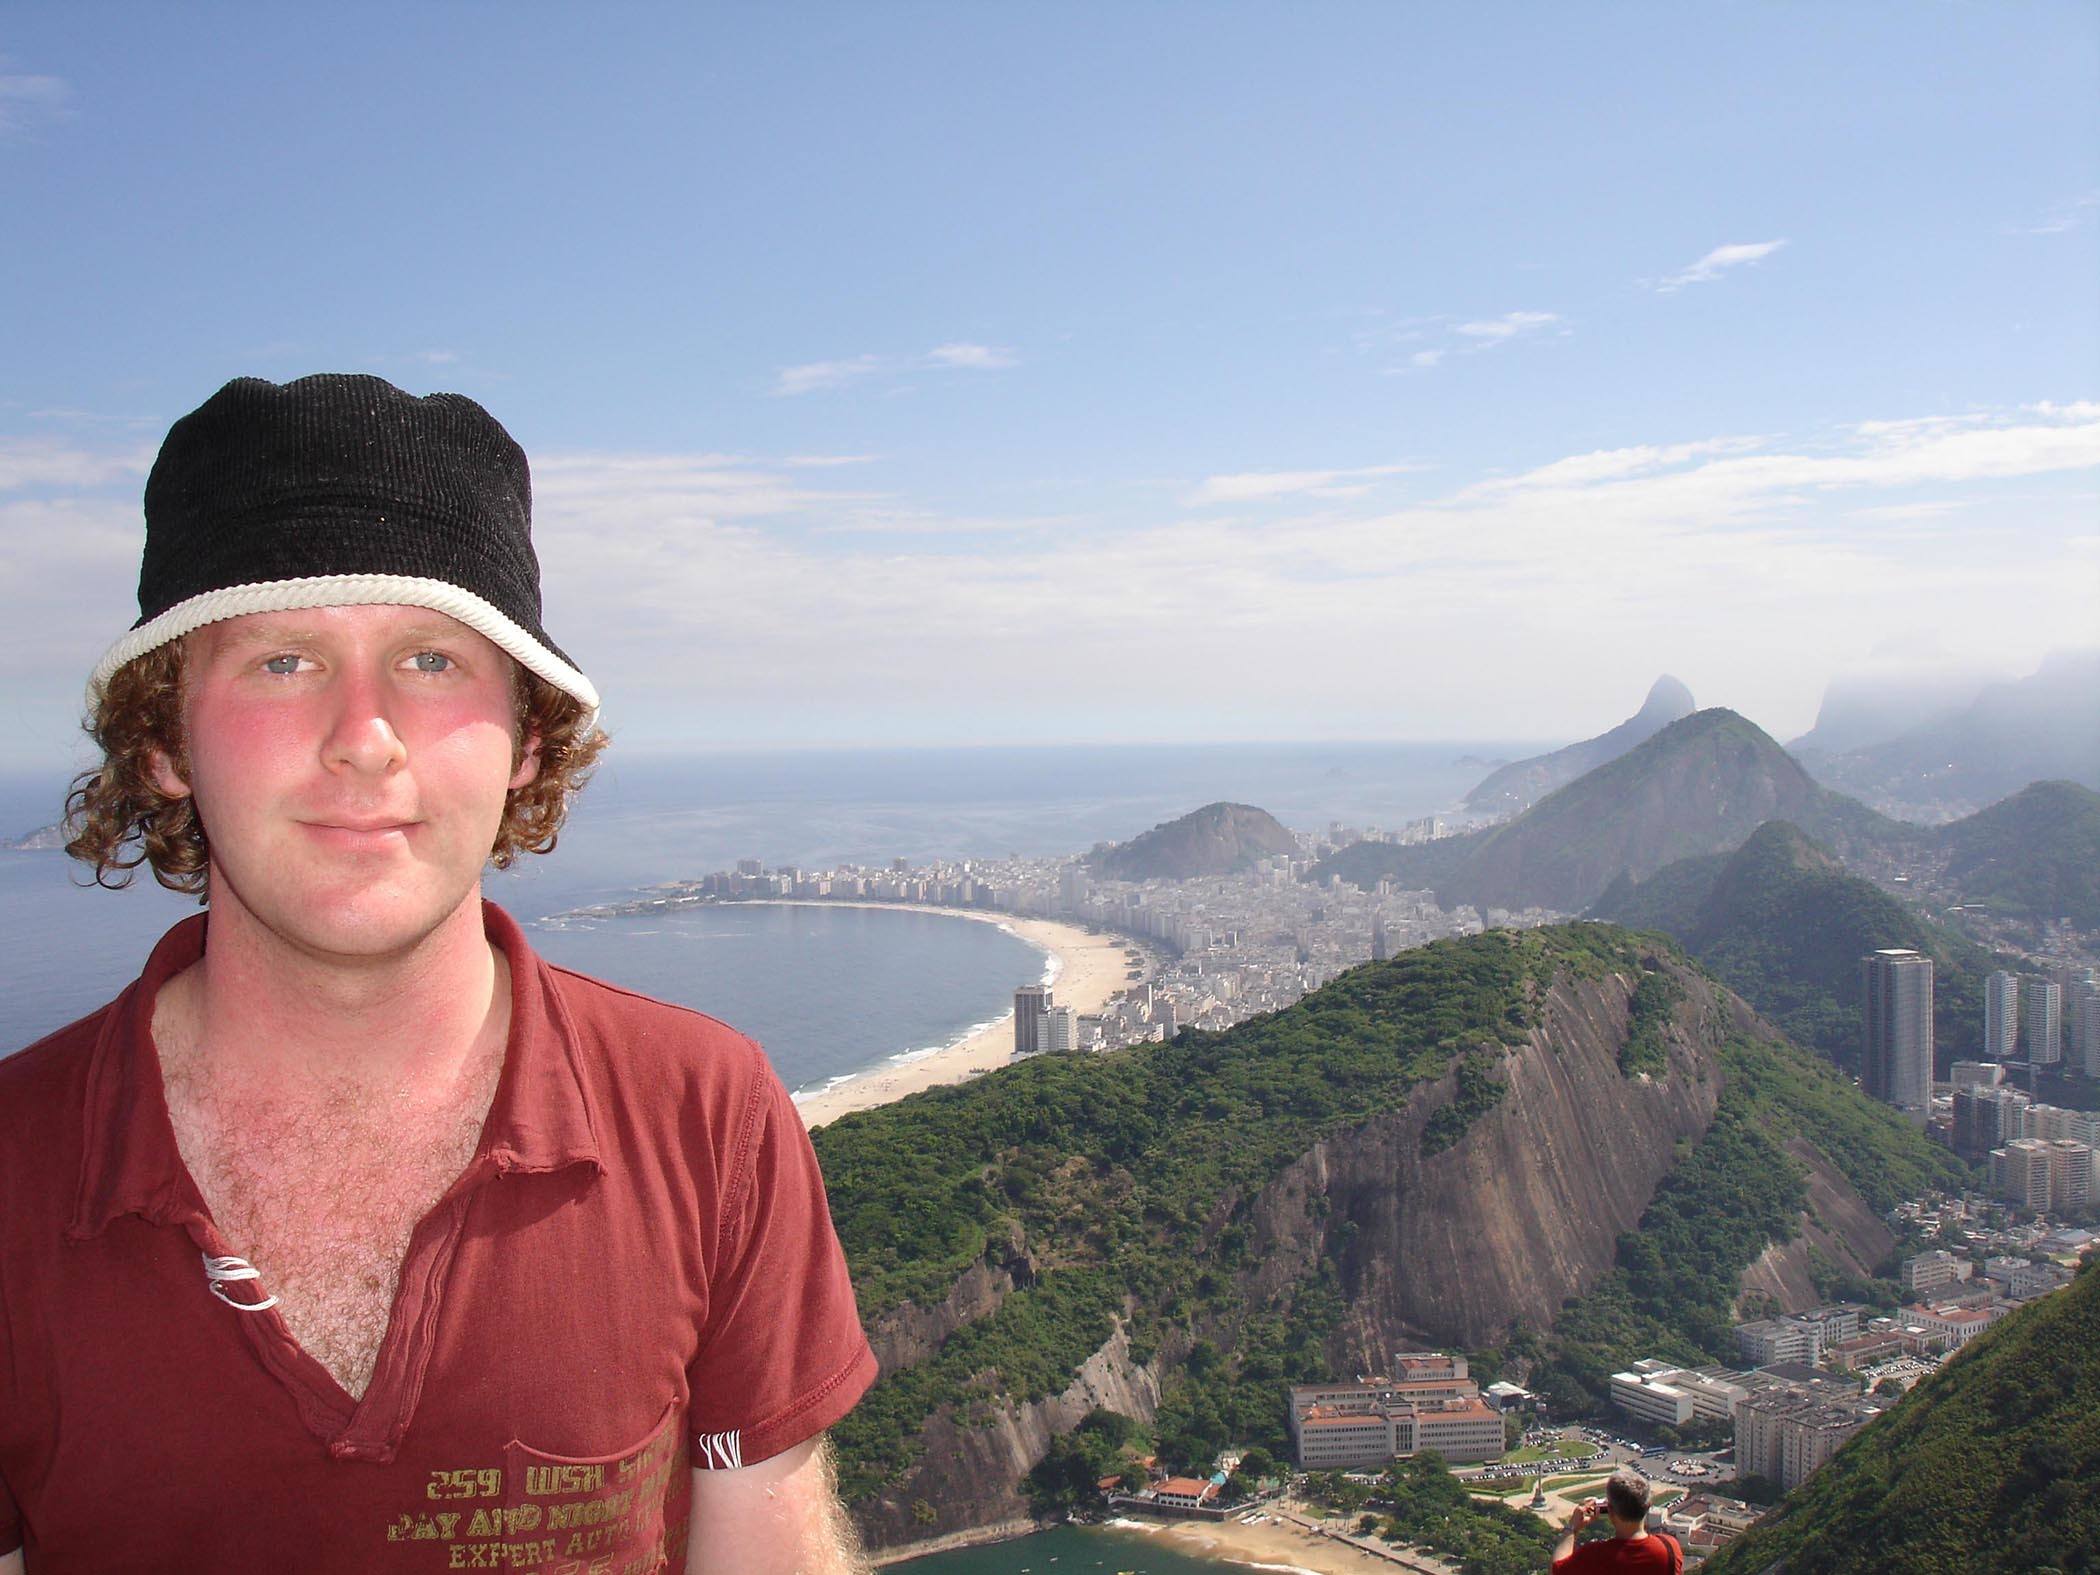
(339, 491)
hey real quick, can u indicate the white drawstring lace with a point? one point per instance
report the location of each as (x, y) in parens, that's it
(222, 1272)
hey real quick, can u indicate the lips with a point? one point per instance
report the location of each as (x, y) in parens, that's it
(359, 835)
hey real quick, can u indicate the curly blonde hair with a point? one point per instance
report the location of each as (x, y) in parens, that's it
(138, 712)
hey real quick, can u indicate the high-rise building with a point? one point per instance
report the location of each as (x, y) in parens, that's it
(1061, 1029)
(1031, 1006)
(1381, 948)
(1896, 1021)
(2022, 1171)
(2083, 1011)
(2041, 1021)
(1986, 1117)
(2001, 1015)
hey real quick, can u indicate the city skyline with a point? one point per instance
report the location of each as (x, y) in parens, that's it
(922, 375)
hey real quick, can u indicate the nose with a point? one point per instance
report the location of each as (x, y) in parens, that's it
(361, 736)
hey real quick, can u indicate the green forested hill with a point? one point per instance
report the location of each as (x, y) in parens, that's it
(1124, 1183)
(1107, 1169)
(1782, 924)
(2034, 855)
(1672, 1291)
(1992, 1464)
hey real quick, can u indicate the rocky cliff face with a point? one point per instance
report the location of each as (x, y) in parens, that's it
(970, 1476)
(1837, 1226)
(908, 1334)
(1457, 1246)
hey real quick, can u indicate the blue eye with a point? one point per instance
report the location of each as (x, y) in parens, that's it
(432, 662)
(282, 666)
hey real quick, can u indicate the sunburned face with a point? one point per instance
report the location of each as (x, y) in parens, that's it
(349, 766)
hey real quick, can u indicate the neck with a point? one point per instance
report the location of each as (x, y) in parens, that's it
(268, 1014)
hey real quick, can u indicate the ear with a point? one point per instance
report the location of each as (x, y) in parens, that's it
(528, 762)
(160, 771)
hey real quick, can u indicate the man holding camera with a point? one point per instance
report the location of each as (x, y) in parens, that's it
(1631, 1546)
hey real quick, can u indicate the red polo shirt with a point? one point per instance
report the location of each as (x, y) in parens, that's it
(635, 1273)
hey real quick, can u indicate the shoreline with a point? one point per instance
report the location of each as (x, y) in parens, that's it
(1284, 1542)
(1084, 969)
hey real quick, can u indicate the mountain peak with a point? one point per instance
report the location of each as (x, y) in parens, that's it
(1519, 785)
(1218, 839)
(1669, 698)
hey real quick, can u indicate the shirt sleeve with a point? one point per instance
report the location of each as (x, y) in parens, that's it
(10, 1521)
(782, 1356)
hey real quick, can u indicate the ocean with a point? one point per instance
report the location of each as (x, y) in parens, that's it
(1074, 1550)
(827, 991)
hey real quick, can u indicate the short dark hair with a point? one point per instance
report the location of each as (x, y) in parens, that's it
(1628, 1492)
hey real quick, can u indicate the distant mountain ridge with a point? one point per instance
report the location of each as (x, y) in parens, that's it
(1522, 783)
(2039, 728)
(1701, 785)
(1861, 710)
(1218, 839)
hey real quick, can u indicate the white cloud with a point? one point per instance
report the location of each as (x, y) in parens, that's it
(1425, 359)
(718, 596)
(2072, 213)
(827, 461)
(1259, 485)
(672, 490)
(817, 376)
(1719, 261)
(1508, 325)
(48, 462)
(979, 357)
(813, 376)
(1607, 465)
(27, 102)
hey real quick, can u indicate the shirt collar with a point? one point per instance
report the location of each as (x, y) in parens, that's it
(542, 1118)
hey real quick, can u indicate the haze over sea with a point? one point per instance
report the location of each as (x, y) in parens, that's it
(828, 991)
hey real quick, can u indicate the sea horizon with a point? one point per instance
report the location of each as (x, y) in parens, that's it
(649, 819)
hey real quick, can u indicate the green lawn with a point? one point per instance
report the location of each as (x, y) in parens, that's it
(1561, 1449)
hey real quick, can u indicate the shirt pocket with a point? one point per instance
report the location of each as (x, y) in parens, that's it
(602, 1514)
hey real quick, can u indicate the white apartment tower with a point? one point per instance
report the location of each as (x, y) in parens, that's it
(2001, 1016)
(2041, 1021)
(1896, 1022)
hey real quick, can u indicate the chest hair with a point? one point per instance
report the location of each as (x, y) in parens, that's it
(321, 1191)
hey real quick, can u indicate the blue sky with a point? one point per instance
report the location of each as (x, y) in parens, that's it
(914, 373)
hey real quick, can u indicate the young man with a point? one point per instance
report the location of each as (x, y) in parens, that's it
(1631, 1546)
(353, 1236)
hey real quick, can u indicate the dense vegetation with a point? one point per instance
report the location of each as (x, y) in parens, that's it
(1128, 1177)
(2035, 855)
(1671, 1291)
(1418, 1501)
(1988, 1465)
(1117, 1190)
(1214, 840)
(1782, 924)
(1700, 786)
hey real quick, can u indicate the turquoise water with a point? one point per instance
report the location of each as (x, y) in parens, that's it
(1071, 1550)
